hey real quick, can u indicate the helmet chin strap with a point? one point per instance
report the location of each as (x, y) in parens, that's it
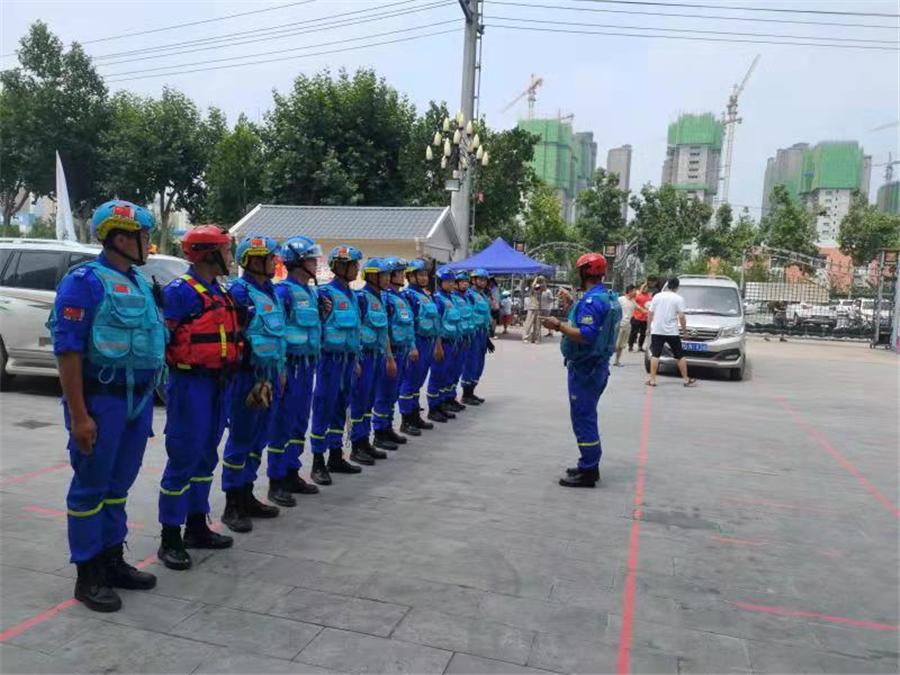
(219, 260)
(136, 235)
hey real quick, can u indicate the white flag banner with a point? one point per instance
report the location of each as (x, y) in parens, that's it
(65, 228)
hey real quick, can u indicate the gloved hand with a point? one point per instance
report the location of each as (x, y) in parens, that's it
(260, 396)
(490, 346)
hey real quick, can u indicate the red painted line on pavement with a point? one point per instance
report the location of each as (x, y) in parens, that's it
(13, 480)
(826, 445)
(20, 628)
(59, 513)
(803, 614)
(623, 664)
(737, 542)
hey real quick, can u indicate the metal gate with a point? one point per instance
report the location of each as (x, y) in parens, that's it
(787, 293)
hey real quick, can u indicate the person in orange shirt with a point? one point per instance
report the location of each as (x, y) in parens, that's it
(639, 318)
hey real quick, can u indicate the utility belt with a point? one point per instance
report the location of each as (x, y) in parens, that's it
(94, 387)
(222, 374)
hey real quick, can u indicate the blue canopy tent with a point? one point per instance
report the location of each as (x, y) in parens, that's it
(500, 258)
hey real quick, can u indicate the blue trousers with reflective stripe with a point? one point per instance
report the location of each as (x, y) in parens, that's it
(474, 364)
(291, 419)
(100, 484)
(330, 399)
(441, 373)
(387, 391)
(248, 433)
(415, 374)
(196, 409)
(585, 388)
(459, 359)
(362, 396)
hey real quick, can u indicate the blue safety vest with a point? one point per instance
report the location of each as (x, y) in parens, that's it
(403, 331)
(128, 332)
(466, 315)
(428, 320)
(374, 332)
(266, 331)
(451, 329)
(605, 345)
(303, 332)
(481, 309)
(342, 326)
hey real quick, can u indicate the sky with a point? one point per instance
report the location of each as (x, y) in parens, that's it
(624, 89)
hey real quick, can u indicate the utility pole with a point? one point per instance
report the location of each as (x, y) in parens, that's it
(460, 200)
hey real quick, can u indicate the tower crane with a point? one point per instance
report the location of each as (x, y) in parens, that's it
(730, 120)
(889, 168)
(530, 92)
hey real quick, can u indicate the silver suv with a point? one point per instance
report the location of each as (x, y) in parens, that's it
(715, 334)
(30, 270)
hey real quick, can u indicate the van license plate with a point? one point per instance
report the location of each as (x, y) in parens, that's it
(694, 346)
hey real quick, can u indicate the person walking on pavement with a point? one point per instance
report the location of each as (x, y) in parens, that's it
(589, 339)
(450, 336)
(205, 348)
(428, 344)
(258, 384)
(477, 296)
(666, 317)
(639, 318)
(109, 340)
(628, 305)
(303, 337)
(532, 331)
(547, 305)
(375, 360)
(341, 326)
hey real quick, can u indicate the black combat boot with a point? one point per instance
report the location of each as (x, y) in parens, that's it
(358, 453)
(448, 411)
(171, 551)
(279, 494)
(295, 484)
(419, 422)
(408, 426)
(119, 574)
(468, 396)
(383, 441)
(437, 415)
(319, 472)
(92, 589)
(453, 406)
(235, 516)
(392, 435)
(255, 508)
(372, 451)
(197, 534)
(582, 478)
(337, 463)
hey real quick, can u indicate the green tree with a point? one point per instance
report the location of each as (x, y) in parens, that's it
(726, 239)
(664, 221)
(158, 150)
(54, 100)
(788, 225)
(338, 140)
(865, 230)
(424, 180)
(543, 221)
(44, 228)
(600, 209)
(235, 173)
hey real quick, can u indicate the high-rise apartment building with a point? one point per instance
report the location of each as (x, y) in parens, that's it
(693, 156)
(618, 161)
(888, 199)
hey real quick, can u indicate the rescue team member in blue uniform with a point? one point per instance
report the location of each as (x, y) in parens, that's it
(402, 338)
(257, 385)
(340, 347)
(202, 355)
(375, 355)
(451, 335)
(428, 344)
(467, 334)
(109, 339)
(477, 296)
(303, 335)
(589, 339)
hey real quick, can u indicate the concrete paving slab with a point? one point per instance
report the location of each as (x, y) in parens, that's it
(466, 664)
(355, 653)
(339, 611)
(240, 663)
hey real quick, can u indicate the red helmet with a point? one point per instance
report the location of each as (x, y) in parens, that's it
(592, 264)
(200, 240)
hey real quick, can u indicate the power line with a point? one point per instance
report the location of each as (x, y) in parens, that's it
(288, 58)
(717, 17)
(689, 30)
(279, 51)
(696, 39)
(286, 34)
(780, 10)
(245, 33)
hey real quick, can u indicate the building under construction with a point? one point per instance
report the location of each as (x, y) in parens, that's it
(823, 177)
(694, 155)
(888, 199)
(563, 159)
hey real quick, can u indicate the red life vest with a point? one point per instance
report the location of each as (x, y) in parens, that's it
(210, 339)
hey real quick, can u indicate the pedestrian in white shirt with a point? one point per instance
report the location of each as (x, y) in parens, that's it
(666, 315)
(628, 303)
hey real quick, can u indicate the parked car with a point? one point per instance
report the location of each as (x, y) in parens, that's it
(30, 270)
(715, 333)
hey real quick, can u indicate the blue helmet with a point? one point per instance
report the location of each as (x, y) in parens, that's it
(446, 274)
(297, 249)
(117, 214)
(344, 253)
(255, 246)
(396, 264)
(479, 272)
(462, 275)
(376, 266)
(416, 265)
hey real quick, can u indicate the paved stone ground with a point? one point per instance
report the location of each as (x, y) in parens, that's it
(766, 541)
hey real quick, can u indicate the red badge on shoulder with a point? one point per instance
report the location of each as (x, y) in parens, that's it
(267, 308)
(121, 288)
(343, 304)
(73, 313)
